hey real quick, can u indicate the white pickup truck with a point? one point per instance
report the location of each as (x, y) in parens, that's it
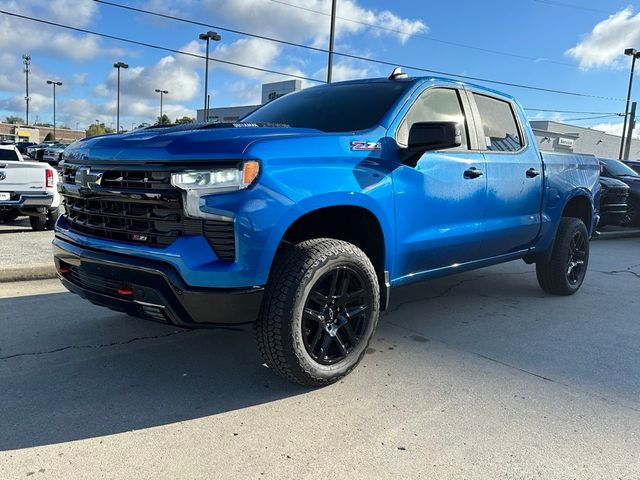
(28, 188)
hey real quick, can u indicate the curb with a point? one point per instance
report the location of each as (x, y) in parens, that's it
(36, 272)
(628, 233)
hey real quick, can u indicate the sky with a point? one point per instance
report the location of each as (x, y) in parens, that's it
(570, 45)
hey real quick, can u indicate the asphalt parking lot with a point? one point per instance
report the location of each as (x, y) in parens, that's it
(475, 376)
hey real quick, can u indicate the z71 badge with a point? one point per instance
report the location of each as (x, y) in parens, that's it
(359, 145)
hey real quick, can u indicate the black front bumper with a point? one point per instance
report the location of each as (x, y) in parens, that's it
(149, 289)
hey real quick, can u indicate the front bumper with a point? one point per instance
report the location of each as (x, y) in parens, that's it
(28, 200)
(152, 290)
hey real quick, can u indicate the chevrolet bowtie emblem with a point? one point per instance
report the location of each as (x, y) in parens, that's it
(86, 178)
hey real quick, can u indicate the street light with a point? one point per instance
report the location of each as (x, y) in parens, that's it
(119, 65)
(216, 38)
(55, 84)
(26, 59)
(162, 93)
(634, 54)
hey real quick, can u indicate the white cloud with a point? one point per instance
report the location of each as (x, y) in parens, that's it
(605, 45)
(615, 129)
(39, 38)
(297, 24)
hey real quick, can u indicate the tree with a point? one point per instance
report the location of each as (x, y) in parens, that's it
(97, 129)
(184, 119)
(143, 125)
(164, 120)
(49, 137)
(14, 119)
(42, 124)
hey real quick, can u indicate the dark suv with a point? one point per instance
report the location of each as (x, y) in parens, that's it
(617, 169)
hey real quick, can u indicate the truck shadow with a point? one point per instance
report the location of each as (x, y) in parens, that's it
(112, 374)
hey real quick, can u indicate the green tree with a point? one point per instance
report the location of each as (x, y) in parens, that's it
(143, 125)
(97, 129)
(49, 137)
(14, 119)
(184, 119)
(163, 120)
(43, 124)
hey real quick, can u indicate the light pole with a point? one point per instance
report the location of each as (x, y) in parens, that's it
(55, 84)
(332, 35)
(26, 59)
(634, 54)
(162, 93)
(118, 66)
(216, 38)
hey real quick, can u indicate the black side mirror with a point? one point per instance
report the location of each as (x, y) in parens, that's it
(425, 136)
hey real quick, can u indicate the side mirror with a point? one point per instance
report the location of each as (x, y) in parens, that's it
(425, 136)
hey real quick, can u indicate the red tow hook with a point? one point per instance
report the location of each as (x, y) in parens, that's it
(63, 270)
(125, 291)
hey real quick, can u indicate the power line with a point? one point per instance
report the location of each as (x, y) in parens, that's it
(571, 111)
(590, 118)
(429, 38)
(555, 3)
(158, 47)
(346, 55)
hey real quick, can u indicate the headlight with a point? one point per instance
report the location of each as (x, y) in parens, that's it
(197, 183)
(217, 180)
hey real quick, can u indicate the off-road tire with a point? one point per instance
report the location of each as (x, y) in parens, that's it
(553, 275)
(38, 222)
(279, 329)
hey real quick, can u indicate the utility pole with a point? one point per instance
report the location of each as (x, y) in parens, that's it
(161, 92)
(26, 59)
(634, 54)
(51, 82)
(118, 65)
(216, 38)
(332, 35)
(632, 125)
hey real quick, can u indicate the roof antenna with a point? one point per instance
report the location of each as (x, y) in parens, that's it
(397, 73)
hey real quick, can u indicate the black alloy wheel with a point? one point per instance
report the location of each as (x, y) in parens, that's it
(576, 258)
(336, 315)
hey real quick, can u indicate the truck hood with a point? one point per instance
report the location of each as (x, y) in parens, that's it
(195, 142)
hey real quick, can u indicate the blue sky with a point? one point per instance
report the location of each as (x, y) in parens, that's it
(573, 45)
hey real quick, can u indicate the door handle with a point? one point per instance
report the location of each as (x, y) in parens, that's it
(472, 172)
(532, 173)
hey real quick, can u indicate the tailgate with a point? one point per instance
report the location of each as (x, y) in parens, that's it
(22, 176)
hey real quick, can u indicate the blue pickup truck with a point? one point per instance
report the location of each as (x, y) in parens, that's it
(302, 217)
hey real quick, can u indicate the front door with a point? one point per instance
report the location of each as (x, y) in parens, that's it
(440, 202)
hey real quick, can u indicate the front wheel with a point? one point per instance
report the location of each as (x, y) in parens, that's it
(564, 273)
(319, 312)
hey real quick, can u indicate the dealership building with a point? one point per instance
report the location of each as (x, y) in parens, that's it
(270, 91)
(10, 132)
(564, 138)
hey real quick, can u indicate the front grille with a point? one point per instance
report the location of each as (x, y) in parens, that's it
(139, 207)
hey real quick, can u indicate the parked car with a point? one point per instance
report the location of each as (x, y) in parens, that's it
(27, 188)
(617, 169)
(53, 154)
(306, 214)
(22, 147)
(614, 195)
(634, 164)
(32, 150)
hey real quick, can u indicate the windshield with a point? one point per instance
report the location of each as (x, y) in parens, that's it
(618, 169)
(332, 108)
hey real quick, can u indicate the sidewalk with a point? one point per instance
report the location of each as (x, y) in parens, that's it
(25, 254)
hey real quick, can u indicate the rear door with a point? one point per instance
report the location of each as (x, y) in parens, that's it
(514, 176)
(439, 202)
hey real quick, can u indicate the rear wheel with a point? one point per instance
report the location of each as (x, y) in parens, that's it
(38, 222)
(52, 218)
(319, 313)
(564, 273)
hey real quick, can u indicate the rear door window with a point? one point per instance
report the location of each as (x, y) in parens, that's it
(501, 130)
(6, 154)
